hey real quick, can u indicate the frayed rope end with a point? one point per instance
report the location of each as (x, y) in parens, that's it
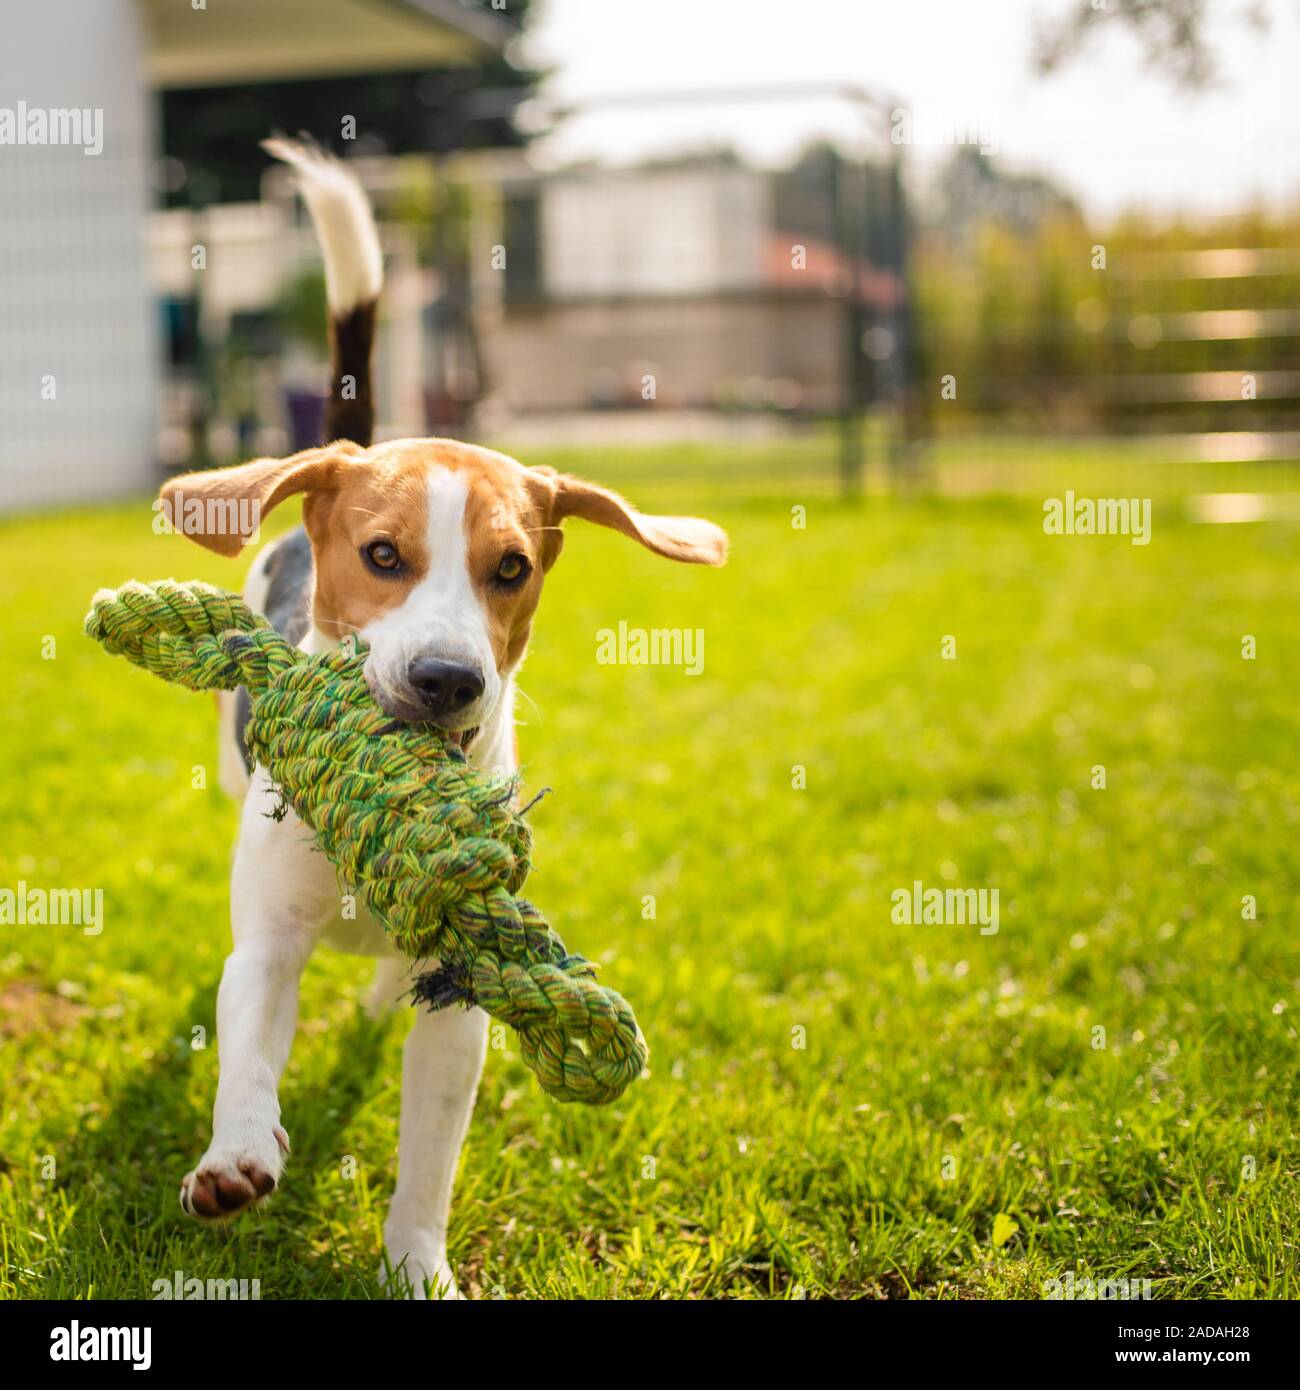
(449, 984)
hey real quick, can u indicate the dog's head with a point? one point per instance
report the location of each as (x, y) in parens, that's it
(432, 551)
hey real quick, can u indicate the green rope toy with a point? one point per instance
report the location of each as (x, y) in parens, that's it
(436, 845)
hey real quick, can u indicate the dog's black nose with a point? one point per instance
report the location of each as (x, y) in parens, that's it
(445, 686)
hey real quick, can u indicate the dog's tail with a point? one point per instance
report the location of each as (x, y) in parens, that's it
(354, 274)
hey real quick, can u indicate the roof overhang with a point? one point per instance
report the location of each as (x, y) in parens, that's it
(241, 41)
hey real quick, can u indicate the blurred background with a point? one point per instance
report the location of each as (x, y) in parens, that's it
(834, 232)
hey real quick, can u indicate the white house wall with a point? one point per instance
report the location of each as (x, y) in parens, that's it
(672, 231)
(77, 337)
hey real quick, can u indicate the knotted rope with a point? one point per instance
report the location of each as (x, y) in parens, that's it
(437, 846)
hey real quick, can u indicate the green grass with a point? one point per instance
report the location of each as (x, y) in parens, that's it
(945, 1078)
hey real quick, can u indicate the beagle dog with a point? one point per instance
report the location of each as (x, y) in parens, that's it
(434, 553)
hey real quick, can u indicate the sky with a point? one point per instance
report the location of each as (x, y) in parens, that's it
(1113, 132)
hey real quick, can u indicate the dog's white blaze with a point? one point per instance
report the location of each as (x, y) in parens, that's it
(442, 616)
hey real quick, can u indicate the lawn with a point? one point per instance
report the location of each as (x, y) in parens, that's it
(838, 1105)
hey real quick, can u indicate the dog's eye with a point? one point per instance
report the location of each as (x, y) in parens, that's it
(513, 568)
(382, 555)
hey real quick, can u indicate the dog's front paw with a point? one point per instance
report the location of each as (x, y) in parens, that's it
(231, 1178)
(415, 1268)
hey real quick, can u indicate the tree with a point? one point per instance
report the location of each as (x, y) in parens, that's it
(973, 189)
(1174, 34)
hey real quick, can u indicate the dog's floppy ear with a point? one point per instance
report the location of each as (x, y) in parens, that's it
(690, 539)
(223, 508)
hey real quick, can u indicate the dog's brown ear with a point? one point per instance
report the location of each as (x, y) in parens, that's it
(690, 539)
(223, 508)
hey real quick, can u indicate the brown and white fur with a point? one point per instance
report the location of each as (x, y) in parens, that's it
(470, 534)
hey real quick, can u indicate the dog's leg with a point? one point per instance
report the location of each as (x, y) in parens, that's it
(441, 1062)
(393, 980)
(281, 894)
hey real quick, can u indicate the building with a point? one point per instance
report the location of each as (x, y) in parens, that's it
(698, 283)
(79, 340)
